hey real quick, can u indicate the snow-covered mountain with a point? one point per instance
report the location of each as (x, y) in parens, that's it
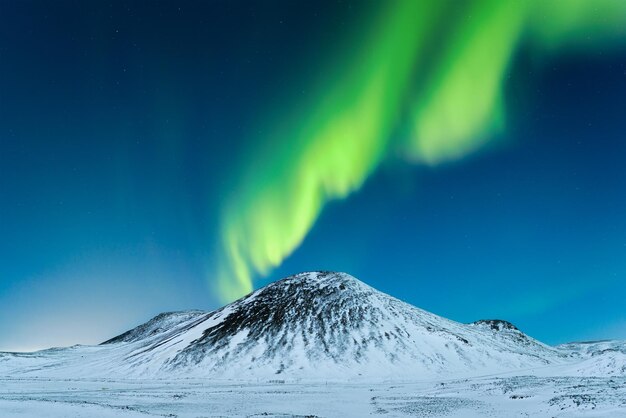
(597, 358)
(311, 325)
(326, 324)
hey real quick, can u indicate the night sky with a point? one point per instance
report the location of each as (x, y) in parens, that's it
(137, 138)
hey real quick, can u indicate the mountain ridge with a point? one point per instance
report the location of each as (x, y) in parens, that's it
(309, 325)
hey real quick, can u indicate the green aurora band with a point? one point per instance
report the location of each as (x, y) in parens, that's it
(426, 83)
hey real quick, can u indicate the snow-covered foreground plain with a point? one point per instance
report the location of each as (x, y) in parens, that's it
(492, 396)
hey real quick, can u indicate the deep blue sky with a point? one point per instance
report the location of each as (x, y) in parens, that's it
(120, 125)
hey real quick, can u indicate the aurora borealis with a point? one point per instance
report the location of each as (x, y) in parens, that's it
(447, 104)
(464, 156)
